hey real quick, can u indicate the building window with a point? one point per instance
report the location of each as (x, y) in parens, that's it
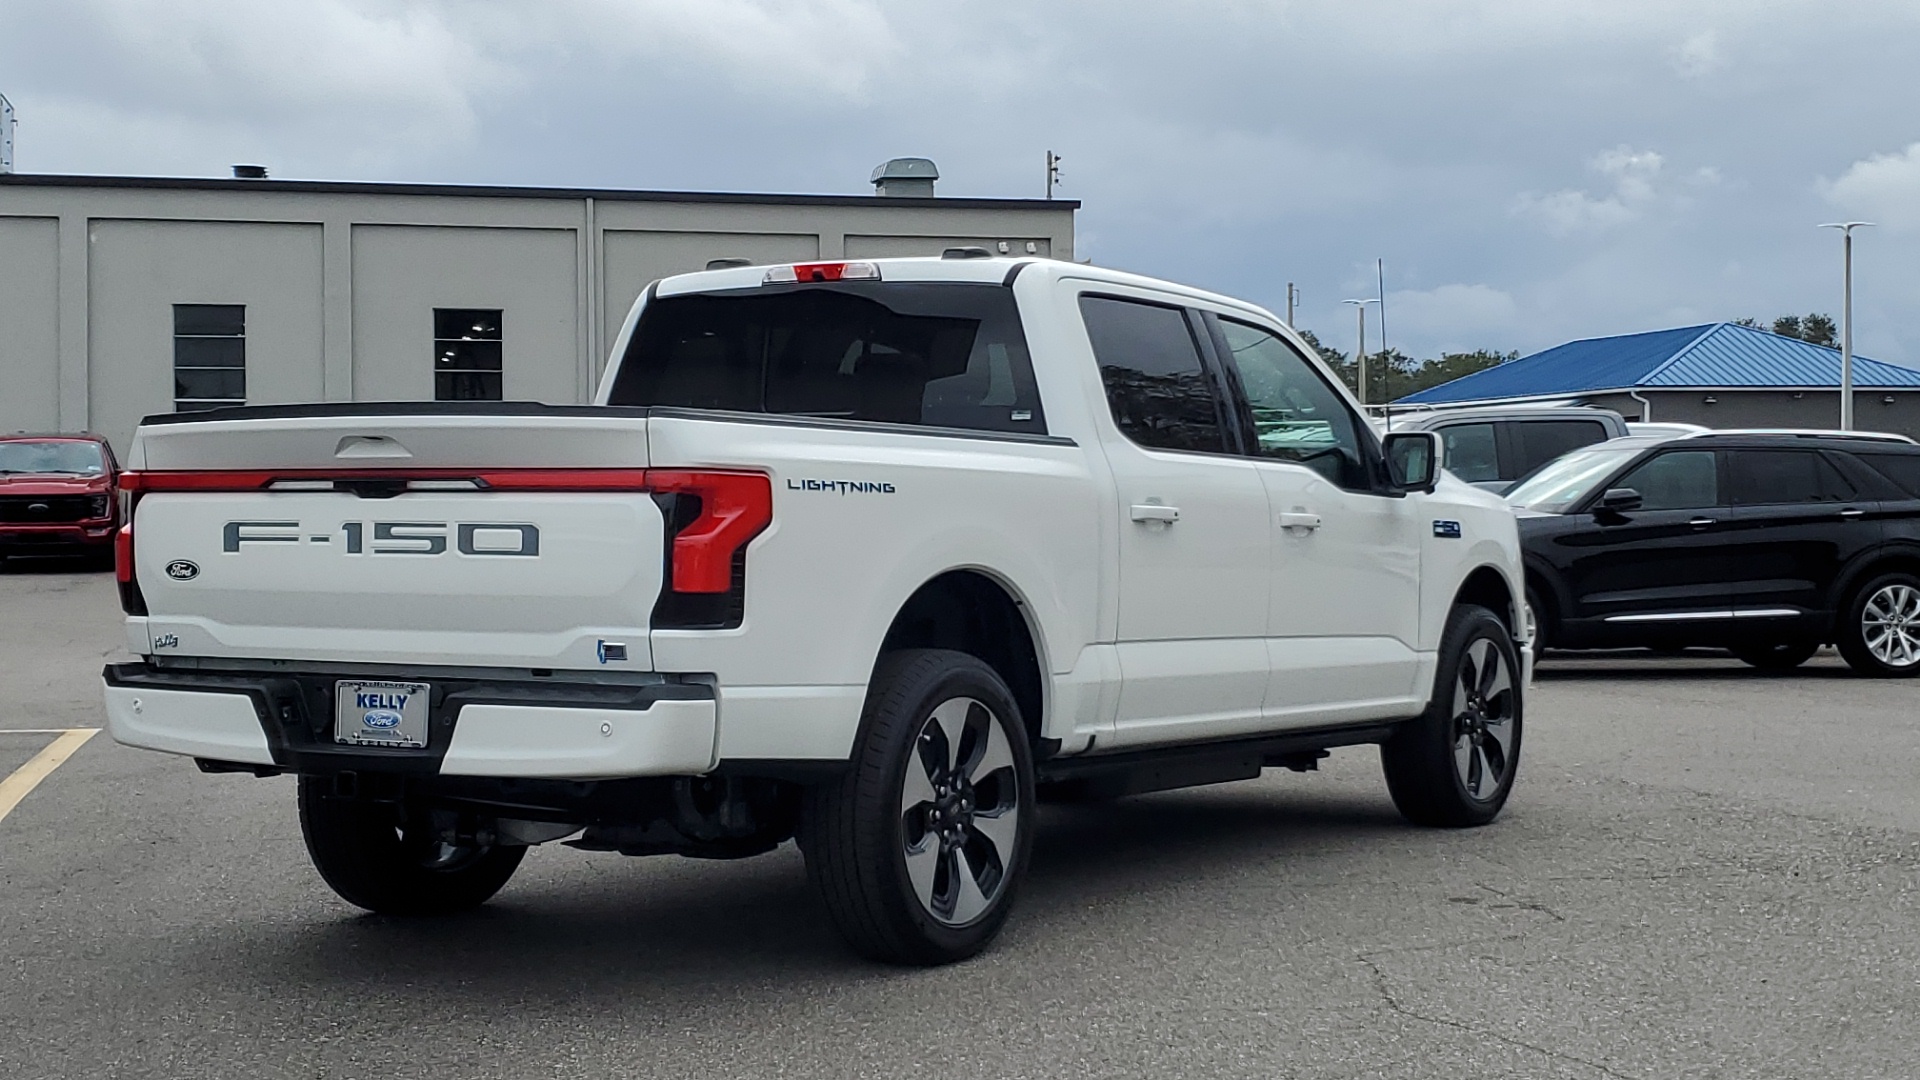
(209, 356)
(466, 354)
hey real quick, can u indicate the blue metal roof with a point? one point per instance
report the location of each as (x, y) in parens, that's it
(1712, 356)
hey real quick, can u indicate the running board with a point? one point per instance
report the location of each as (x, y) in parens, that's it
(1162, 768)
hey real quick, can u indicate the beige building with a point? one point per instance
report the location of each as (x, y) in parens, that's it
(122, 296)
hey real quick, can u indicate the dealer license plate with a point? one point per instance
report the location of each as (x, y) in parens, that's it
(381, 714)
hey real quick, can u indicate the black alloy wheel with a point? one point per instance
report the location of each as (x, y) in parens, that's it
(1454, 766)
(1879, 632)
(918, 850)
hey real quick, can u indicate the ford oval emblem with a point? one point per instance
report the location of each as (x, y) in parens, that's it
(381, 719)
(183, 570)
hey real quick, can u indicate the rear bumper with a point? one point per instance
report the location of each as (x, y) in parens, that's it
(544, 730)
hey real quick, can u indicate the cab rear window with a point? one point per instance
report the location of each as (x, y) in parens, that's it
(937, 354)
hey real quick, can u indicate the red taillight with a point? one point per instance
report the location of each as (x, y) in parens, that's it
(131, 601)
(123, 555)
(734, 508)
(821, 271)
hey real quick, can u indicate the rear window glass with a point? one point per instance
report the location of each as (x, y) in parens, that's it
(1774, 477)
(942, 354)
(1902, 469)
(1537, 442)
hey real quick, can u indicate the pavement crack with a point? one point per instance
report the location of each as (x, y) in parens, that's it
(1384, 988)
(1523, 904)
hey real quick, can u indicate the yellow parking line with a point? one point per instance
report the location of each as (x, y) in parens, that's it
(37, 730)
(28, 776)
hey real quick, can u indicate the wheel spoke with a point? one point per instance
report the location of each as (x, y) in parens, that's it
(923, 869)
(917, 789)
(1485, 661)
(951, 719)
(1463, 757)
(968, 900)
(1495, 681)
(1488, 777)
(1000, 830)
(997, 755)
(1475, 764)
(1501, 731)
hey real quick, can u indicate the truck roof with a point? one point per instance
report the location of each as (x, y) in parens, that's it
(991, 270)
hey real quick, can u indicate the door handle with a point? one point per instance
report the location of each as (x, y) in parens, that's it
(1154, 512)
(1852, 515)
(1702, 522)
(1298, 519)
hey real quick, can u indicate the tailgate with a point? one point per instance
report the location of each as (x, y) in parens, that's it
(492, 540)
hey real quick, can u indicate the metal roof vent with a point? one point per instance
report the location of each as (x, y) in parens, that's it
(249, 172)
(908, 177)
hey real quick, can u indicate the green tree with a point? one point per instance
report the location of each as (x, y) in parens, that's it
(1816, 328)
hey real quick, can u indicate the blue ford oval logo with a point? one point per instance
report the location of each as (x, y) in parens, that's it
(183, 570)
(381, 719)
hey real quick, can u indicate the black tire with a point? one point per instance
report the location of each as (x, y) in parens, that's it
(1880, 625)
(368, 854)
(1438, 765)
(1775, 655)
(859, 835)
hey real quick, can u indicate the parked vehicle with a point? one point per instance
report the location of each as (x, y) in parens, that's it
(1767, 543)
(57, 495)
(1494, 446)
(871, 553)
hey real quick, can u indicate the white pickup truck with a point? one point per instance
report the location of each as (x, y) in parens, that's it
(870, 554)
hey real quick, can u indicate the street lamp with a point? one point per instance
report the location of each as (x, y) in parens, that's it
(1360, 355)
(1846, 320)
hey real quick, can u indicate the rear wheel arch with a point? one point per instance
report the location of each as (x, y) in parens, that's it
(1897, 557)
(978, 613)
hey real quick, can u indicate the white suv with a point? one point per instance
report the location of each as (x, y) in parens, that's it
(870, 554)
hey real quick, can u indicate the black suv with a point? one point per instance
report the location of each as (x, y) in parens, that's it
(1767, 543)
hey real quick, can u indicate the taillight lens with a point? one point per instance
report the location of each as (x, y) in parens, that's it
(734, 508)
(131, 601)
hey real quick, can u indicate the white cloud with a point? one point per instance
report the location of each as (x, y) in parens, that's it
(1699, 56)
(1883, 188)
(1453, 318)
(1572, 213)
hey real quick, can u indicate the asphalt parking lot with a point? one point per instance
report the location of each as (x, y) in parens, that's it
(1704, 872)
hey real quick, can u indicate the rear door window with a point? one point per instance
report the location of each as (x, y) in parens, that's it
(1777, 477)
(942, 354)
(1158, 389)
(1536, 442)
(1676, 480)
(1472, 452)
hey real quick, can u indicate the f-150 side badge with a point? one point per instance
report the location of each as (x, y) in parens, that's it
(1449, 530)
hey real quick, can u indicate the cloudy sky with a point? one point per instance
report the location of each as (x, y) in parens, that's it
(1530, 170)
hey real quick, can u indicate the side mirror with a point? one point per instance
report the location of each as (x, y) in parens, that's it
(1619, 500)
(1413, 460)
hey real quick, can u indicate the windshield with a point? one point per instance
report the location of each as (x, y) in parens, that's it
(1563, 482)
(65, 456)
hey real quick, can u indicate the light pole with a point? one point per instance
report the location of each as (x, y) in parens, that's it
(1360, 354)
(1846, 319)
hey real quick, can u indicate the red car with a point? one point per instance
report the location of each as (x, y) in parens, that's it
(57, 495)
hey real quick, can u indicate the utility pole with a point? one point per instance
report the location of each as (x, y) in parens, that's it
(1053, 171)
(1360, 354)
(1846, 319)
(1293, 297)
